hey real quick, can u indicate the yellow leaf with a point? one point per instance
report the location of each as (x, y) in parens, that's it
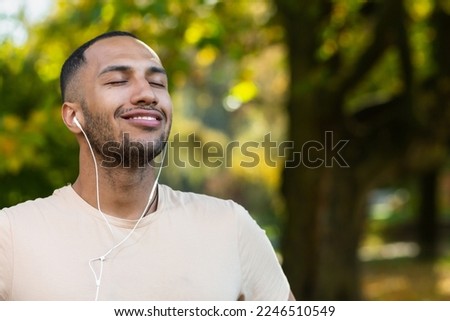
(206, 56)
(194, 33)
(11, 122)
(245, 91)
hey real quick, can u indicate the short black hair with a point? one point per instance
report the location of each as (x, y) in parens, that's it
(77, 59)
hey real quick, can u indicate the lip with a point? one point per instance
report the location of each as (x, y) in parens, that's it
(143, 117)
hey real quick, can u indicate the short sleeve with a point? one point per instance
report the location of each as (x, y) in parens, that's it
(263, 277)
(5, 256)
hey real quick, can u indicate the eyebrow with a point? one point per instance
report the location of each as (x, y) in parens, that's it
(124, 68)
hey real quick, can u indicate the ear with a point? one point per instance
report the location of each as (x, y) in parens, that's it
(68, 113)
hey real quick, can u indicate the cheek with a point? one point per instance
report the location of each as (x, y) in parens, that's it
(107, 102)
(166, 103)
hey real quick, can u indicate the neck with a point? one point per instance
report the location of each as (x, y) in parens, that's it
(123, 192)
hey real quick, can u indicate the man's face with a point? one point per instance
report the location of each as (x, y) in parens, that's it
(125, 95)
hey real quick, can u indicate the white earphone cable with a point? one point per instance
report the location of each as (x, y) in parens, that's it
(98, 278)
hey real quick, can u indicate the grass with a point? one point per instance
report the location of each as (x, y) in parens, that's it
(405, 279)
(391, 270)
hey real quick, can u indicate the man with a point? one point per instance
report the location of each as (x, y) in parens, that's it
(115, 234)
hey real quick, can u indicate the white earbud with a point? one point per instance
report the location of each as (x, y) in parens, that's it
(77, 123)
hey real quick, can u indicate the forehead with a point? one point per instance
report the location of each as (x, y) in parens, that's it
(119, 49)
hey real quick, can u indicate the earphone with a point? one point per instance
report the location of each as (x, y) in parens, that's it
(151, 198)
(77, 123)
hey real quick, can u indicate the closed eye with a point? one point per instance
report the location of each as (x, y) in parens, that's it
(117, 82)
(157, 84)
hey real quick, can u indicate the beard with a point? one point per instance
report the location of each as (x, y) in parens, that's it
(113, 152)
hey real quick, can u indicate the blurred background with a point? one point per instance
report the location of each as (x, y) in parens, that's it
(364, 217)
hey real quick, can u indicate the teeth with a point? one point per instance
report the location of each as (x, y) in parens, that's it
(144, 117)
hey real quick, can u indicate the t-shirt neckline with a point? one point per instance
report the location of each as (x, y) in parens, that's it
(85, 208)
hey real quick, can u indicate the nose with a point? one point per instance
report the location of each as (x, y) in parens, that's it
(143, 93)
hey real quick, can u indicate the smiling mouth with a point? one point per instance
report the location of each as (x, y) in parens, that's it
(142, 114)
(143, 117)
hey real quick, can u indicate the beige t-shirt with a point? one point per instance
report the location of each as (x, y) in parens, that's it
(194, 247)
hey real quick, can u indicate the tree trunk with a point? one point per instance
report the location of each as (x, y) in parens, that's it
(427, 227)
(325, 204)
(340, 233)
(299, 244)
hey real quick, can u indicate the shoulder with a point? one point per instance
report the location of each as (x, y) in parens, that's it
(205, 209)
(175, 198)
(38, 205)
